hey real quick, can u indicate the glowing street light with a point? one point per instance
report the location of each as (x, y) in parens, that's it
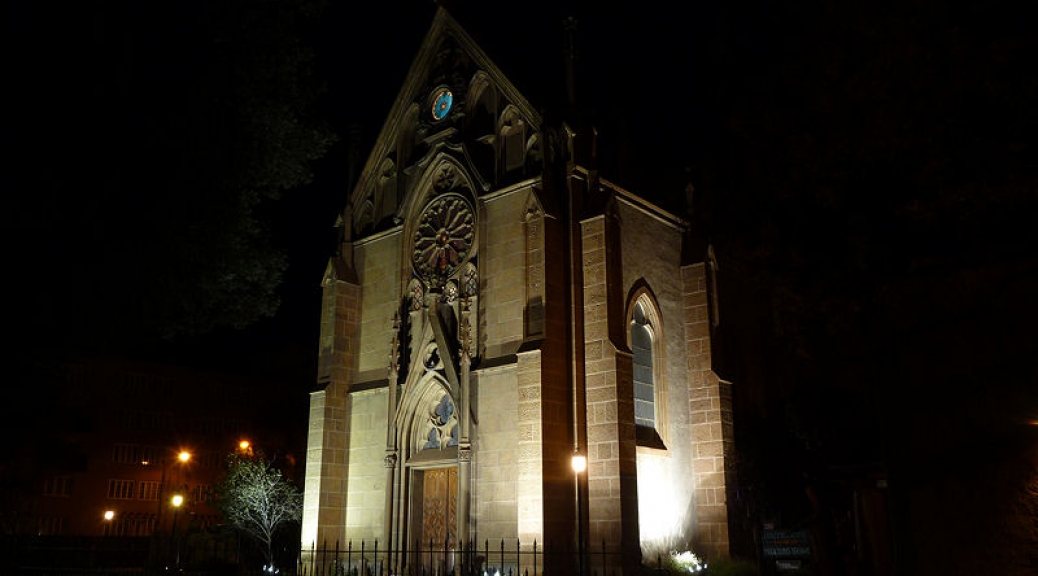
(108, 516)
(182, 458)
(579, 463)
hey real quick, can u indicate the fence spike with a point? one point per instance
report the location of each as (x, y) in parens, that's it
(461, 558)
(534, 556)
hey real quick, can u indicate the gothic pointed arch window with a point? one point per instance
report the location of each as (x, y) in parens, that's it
(430, 417)
(645, 338)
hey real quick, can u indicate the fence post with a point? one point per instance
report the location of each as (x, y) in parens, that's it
(313, 557)
(534, 557)
(324, 555)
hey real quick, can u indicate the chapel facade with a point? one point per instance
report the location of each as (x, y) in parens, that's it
(495, 312)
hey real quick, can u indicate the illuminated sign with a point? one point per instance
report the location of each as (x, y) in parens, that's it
(781, 544)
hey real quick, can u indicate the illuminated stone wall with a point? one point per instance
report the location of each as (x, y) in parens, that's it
(496, 491)
(711, 410)
(365, 487)
(529, 456)
(611, 448)
(326, 470)
(378, 267)
(502, 255)
(652, 252)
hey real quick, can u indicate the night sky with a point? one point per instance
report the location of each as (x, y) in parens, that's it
(868, 179)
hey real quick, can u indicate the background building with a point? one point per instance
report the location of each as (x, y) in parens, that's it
(496, 309)
(112, 439)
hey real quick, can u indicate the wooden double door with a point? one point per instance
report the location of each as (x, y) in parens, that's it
(436, 508)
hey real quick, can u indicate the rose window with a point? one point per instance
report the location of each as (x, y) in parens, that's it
(442, 239)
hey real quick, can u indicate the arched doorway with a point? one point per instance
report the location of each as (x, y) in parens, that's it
(434, 510)
(431, 472)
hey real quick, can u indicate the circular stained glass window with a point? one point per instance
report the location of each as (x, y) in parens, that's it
(442, 239)
(442, 103)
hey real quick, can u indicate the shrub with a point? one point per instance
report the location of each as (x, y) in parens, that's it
(677, 564)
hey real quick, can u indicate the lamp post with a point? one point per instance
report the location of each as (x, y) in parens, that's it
(579, 463)
(176, 501)
(182, 457)
(108, 516)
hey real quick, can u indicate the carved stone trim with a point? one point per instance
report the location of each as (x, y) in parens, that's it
(443, 239)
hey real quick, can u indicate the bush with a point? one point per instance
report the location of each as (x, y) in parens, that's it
(677, 564)
(688, 564)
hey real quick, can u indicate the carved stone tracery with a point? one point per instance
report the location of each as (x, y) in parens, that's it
(442, 239)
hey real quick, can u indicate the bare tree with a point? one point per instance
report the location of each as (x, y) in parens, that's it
(256, 498)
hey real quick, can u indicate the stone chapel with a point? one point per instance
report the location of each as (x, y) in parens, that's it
(513, 349)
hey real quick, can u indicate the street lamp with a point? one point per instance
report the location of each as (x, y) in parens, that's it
(176, 501)
(182, 457)
(579, 464)
(109, 515)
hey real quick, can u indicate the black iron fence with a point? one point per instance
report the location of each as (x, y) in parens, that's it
(228, 554)
(502, 557)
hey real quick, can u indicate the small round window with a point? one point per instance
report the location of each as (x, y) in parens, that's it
(441, 105)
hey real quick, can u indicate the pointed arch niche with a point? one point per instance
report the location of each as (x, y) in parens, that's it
(480, 124)
(429, 418)
(512, 137)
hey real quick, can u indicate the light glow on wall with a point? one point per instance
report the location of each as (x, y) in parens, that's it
(662, 508)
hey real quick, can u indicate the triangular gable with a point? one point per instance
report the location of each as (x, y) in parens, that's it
(448, 56)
